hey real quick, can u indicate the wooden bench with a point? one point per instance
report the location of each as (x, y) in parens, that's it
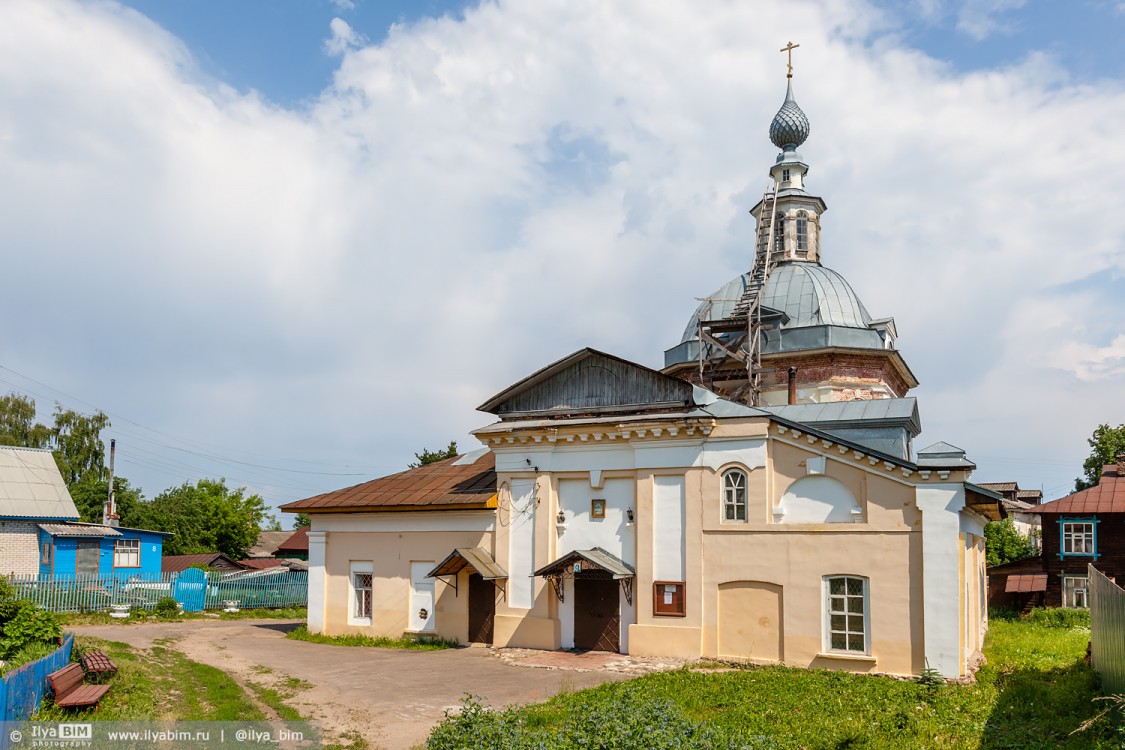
(69, 690)
(97, 665)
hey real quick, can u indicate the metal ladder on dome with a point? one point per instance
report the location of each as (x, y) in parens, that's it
(747, 313)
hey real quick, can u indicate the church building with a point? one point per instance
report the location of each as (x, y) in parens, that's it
(758, 499)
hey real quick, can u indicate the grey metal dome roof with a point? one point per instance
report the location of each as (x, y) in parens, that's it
(810, 294)
(790, 127)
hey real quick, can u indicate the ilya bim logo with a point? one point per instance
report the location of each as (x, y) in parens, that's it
(56, 732)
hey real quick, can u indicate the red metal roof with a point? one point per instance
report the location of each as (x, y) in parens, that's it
(1108, 496)
(1024, 583)
(452, 483)
(260, 563)
(299, 542)
(179, 563)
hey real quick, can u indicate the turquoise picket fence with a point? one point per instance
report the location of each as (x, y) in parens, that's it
(22, 689)
(252, 589)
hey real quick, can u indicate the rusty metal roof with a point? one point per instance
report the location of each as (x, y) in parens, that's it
(1025, 582)
(298, 542)
(999, 486)
(451, 484)
(1108, 496)
(596, 558)
(476, 558)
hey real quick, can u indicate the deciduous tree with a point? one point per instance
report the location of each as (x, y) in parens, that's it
(428, 456)
(1107, 444)
(206, 516)
(1002, 543)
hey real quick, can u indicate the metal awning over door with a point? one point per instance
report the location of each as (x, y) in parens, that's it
(588, 563)
(476, 559)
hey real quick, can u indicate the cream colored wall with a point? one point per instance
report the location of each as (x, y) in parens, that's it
(761, 556)
(390, 554)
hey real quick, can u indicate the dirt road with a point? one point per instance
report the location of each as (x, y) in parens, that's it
(389, 697)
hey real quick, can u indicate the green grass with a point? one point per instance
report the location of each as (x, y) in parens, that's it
(1034, 692)
(70, 619)
(421, 644)
(160, 684)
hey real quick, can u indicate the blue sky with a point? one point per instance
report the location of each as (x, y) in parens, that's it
(299, 288)
(276, 47)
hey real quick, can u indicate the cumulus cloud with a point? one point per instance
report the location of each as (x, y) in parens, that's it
(344, 4)
(981, 19)
(472, 198)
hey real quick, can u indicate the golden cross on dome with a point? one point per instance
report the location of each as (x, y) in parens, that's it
(789, 47)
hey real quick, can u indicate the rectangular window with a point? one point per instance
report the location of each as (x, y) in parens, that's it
(802, 234)
(668, 598)
(127, 553)
(361, 586)
(1078, 538)
(1074, 592)
(785, 175)
(45, 555)
(846, 614)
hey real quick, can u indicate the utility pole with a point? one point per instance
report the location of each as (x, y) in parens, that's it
(109, 510)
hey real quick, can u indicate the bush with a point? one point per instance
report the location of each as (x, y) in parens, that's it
(28, 654)
(629, 718)
(22, 624)
(167, 607)
(1060, 617)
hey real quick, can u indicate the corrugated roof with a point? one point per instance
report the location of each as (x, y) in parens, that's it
(839, 413)
(1108, 496)
(179, 563)
(261, 563)
(267, 543)
(999, 486)
(31, 485)
(1029, 496)
(476, 558)
(1026, 582)
(443, 484)
(78, 529)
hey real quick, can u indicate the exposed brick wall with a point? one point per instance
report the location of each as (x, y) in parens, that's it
(19, 547)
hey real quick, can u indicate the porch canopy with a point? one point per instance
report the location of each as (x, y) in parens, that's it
(1026, 582)
(588, 563)
(476, 559)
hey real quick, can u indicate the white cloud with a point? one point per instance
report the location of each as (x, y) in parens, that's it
(343, 38)
(981, 19)
(474, 198)
(344, 4)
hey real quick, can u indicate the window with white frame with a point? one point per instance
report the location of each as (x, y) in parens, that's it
(361, 597)
(779, 234)
(846, 614)
(1074, 592)
(1078, 537)
(734, 495)
(802, 232)
(785, 175)
(127, 553)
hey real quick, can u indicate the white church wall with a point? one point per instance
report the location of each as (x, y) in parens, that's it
(521, 541)
(818, 499)
(668, 539)
(941, 506)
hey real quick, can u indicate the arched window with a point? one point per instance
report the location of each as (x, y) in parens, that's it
(802, 232)
(734, 495)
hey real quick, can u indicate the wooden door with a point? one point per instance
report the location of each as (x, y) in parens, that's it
(482, 609)
(597, 614)
(86, 554)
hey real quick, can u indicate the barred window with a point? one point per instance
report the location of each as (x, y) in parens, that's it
(846, 609)
(361, 583)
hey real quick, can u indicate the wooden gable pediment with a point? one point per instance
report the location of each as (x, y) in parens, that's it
(590, 381)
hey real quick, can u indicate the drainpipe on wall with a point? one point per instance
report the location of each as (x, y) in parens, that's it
(792, 385)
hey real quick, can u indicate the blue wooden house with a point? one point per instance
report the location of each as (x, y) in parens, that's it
(89, 549)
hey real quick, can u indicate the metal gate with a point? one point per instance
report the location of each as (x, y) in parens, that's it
(190, 589)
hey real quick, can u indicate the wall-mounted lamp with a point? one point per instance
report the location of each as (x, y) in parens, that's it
(560, 518)
(629, 515)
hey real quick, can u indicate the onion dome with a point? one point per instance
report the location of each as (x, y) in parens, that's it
(790, 127)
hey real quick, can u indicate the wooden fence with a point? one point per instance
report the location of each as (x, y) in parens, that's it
(252, 589)
(1107, 631)
(22, 689)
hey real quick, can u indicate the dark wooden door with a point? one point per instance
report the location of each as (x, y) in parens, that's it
(597, 614)
(482, 609)
(87, 558)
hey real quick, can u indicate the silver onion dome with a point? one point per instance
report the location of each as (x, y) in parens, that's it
(790, 127)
